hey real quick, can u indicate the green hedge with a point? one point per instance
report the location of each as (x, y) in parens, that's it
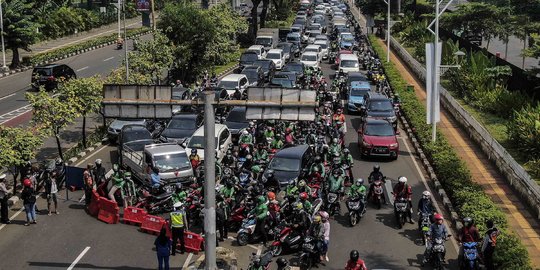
(60, 52)
(468, 197)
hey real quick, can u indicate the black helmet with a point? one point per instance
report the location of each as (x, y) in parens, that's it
(468, 221)
(354, 255)
(376, 168)
(318, 158)
(281, 262)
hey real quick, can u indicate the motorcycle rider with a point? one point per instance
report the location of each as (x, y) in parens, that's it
(436, 230)
(98, 173)
(305, 202)
(326, 223)
(425, 207)
(467, 234)
(118, 183)
(300, 219)
(261, 155)
(228, 192)
(179, 194)
(357, 189)
(335, 147)
(338, 116)
(245, 138)
(403, 190)
(229, 160)
(319, 164)
(335, 182)
(289, 137)
(374, 175)
(277, 143)
(156, 179)
(271, 181)
(222, 215)
(194, 158)
(316, 230)
(261, 213)
(237, 94)
(273, 208)
(269, 133)
(355, 263)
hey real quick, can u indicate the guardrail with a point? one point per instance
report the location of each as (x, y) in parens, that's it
(514, 173)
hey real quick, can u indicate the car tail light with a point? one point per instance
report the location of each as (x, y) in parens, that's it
(50, 78)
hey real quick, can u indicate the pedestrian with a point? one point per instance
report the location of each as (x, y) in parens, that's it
(326, 224)
(29, 202)
(163, 249)
(88, 185)
(488, 246)
(178, 226)
(4, 195)
(51, 190)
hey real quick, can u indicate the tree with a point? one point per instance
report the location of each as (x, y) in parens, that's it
(534, 49)
(371, 7)
(282, 9)
(18, 146)
(264, 13)
(118, 76)
(228, 25)
(51, 114)
(152, 56)
(253, 25)
(85, 95)
(20, 28)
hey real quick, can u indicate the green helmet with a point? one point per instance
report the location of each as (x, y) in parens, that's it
(261, 199)
(256, 169)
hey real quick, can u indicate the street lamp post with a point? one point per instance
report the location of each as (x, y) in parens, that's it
(389, 24)
(4, 67)
(118, 7)
(125, 41)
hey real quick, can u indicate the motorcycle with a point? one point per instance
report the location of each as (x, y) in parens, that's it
(155, 204)
(332, 203)
(286, 239)
(357, 209)
(246, 233)
(400, 211)
(310, 253)
(469, 261)
(424, 224)
(436, 253)
(260, 262)
(378, 189)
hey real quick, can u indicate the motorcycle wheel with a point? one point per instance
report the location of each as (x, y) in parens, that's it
(399, 218)
(277, 250)
(305, 262)
(353, 219)
(438, 262)
(242, 239)
(379, 204)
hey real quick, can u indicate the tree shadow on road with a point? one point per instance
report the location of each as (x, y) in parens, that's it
(85, 266)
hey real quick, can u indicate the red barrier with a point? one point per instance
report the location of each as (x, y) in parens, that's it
(152, 224)
(134, 215)
(194, 242)
(108, 211)
(93, 207)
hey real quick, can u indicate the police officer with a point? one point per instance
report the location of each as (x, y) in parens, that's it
(178, 225)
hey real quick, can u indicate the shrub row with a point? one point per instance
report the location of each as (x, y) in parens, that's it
(467, 197)
(76, 48)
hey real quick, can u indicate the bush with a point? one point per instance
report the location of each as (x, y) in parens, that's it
(524, 130)
(467, 196)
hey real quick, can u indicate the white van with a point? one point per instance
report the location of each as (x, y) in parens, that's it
(258, 49)
(223, 141)
(349, 63)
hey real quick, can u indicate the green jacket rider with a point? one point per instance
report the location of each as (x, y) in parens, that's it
(335, 147)
(261, 210)
(357, 189)
(335, 183)
(317, 164)
(245, 138)
(179, 195)
(277, 143)
(261, 154)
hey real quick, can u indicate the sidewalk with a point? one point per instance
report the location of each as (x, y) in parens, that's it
(483, 172)
(49, 45)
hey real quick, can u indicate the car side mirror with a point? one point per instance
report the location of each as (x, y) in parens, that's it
(397, 132)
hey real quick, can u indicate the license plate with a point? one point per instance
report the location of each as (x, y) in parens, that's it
(381, 150)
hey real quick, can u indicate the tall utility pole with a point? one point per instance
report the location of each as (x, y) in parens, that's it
(118, 7)
(125, 41)
(388, 31)
(153, 15)
(4, 67)
(209, 182)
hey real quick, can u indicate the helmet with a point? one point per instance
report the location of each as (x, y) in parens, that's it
(245, 132)
(402, 179)
(359, 181)
(426, 194)
(155, 169)
(271, 196)
(256, 169)
(248, 157)
(346, 150)
(302, 183)
(115, 167)
(177, 205)
(334, 140)
(316, 169)
(288, 130)
(281, 262)
(194, 151)
(336, 171)
(324, 215)
(98, 162)
(318, 159)
(468, 221)
(251, 123)
(303, 196)
(317, 219)
(354, 255)
(376, 168)
(438, 217)
(261, 199)
(270, 173)
(299, 206)
(58, 162)
(27, 182)
(127, 174)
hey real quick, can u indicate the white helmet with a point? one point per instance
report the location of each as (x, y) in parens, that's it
(402, 179)
(245, 132)
(177, 205)
(426, 194)
(359, 181)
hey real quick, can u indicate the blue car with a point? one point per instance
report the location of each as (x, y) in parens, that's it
(357, 93)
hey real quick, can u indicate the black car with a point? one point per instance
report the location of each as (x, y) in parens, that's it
(355, 76)
(255, 75)
(290, 164)
(180, 127)
(49, 75)
(221, 94)
(268, 67)
(290, 74)
(295, 67)
(287, 48)
(236, 121)
(134, 137)
(247, 58)
(378, 106)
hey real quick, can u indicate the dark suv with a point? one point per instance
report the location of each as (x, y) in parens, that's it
(49, 75)
(290, 164)
(378, 106)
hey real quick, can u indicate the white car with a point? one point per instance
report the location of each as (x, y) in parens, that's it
(324, 47)
(312, 35)
(348, 63)
(258, 49)
(310, 59)
(316, 49)
(233, 81)
(277, 56)
(197, 141)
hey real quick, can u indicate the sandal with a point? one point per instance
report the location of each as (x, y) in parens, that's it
(26, 224)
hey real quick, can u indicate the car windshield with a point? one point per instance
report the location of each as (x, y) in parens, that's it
(379, 130)
(252, 74)
(249, 57)
(284, 82)
(323, 45)
(359, 92)
(237, 116)
(182, 124)
(349, 63)
(171, 162)
(265, 65)
(135, 135)
(273, 56)
(293, 38)
(42, 71)
(309, 57)
(285, 164)
(228, 84)
(198, 142)
(380, 106)
(347, 38)
(294, 68)
(138, 146)
(313, 34)
(265, 41)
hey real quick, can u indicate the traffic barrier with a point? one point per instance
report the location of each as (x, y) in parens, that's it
(108, 211)
(93, 207)
(152, 224)
(134, 215)
(193, 242)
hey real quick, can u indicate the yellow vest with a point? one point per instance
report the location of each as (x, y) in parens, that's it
(177, 219)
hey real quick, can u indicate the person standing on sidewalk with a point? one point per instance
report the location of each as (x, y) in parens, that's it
(163, 249)
(4, 200)
(178, 226)
(488, 246)
(51, 189)
(29, 202)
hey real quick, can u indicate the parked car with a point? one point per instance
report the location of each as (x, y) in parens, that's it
(232, 82)
(255, 75)
(378, 138)
(268, 67)
(49, 75)
(380, 107)
(222, 137)
(310, 59)
(116, 127)
(357, 96)
(276, 55)
(181, 127)
(290, 164)
(247, 59)
(236, 121)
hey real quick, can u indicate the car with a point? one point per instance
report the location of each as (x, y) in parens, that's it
(282, 80)
(319, 20)
(290, 74)
(232, 82)
(247, 59)
(287, 49)
(324, 47)
(135, 137)
(321, 37)
(236, 121)
(180, 93)
(378, 138)
(258, 49)
(49, 75)
(181, 127)
(310, 59)
(116, 126)
(357, 96)
(339, 55)
(312, 35)
(380, 107)
(295, 38)
(297, 28)
(346, 41)
(348, 63)
(290, 164)
(356, 77)
(222, 138)
(296, 67)
(314, 27)
(316, 49)
(255, 75)
(277, 56)
(268, 67)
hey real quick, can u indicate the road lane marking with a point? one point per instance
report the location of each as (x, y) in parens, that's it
(12, 217)
(89, 156)
(4, 97)
(78, 258)
(259, 251)
(188, 260)
(110, 58)
(81, 69)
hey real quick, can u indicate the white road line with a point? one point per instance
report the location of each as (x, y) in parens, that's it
(259, 251)
(12, 217)
(89, 156)
(4, 97)
(424, 181)
(188, 260)
(110, 58)
(78, 258)
(81, 69)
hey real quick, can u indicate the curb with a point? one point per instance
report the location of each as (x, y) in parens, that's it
(227, 71)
